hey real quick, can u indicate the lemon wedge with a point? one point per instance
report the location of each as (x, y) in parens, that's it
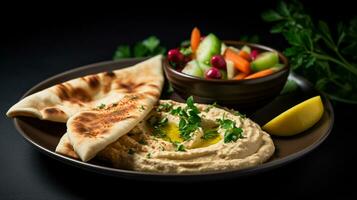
(297, 119)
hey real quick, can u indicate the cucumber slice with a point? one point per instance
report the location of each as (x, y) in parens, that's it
(223, 74)
(192, 68)
(246, 49)
(230, 69)
(265, 60)
(204, 67)
(208, 47)
(223, 48)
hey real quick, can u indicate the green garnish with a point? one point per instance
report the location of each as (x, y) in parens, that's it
(143, 142)
(210, 134)
(101, 106)
(324, 56)
(148, 155)
(148, 47)
(190, 121)
(232, 132)
(142, 108)
(164, 107)
(237, 113)
(179, 146)
(157, 126)
(131, 151)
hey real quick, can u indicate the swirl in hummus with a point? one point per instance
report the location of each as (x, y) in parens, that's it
(218, 140)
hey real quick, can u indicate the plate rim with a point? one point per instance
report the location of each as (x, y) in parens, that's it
(148, 175)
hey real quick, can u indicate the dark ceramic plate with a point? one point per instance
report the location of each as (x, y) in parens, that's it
(45, 135)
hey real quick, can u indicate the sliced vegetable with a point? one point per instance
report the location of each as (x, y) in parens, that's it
(192, 68)
(262, 73)
(244, 55)
(204, 67)
(231, 71)
(246, 49)
(195, 39)
(240, 76)
(240, 63)
(264, 61)
(208, 47)
(223, 74)
(223, 48)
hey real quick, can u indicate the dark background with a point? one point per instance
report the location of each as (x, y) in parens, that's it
(38, 41)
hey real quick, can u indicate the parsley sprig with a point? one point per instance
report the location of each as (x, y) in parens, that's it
(231, 132)
(323, 53)
(190, 120)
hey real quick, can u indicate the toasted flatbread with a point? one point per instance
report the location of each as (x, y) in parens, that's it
(60, 102)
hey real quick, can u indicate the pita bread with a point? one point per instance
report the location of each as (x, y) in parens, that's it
(91, 131)
(62, 101)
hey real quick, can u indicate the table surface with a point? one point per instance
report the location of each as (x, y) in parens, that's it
(33, 56)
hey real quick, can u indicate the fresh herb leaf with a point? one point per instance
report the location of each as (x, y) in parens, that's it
(157, 125)
(147, 47)
(131, 151)
(210, 134)
(123, 51)
(190, 120)
(164, 107)
(143, 142)
(232, 132)
(101, 106)
(237, 113)
(148, 155)
(141, 108)
(178, 146)
(332, 53)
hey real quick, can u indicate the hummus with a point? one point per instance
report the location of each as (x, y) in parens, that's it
(157, 143)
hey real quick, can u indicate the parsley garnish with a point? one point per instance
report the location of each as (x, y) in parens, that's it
(237, 113)
(157, 126)
(101, 106)
(148, 155)
(131, 151)
(190, 121)
(325, 56)
(142, 108)
(148, 47)
(232, 132)
(210, 134)
(164, 107)
(179, 146)
(143, 142)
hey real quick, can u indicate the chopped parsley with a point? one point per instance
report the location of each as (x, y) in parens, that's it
(162, 148)
(209, 107)
(131, 151)
(142, 108)
(101, 106)
(210, 134)
(164, 107)
(148, 155)
(178, 146)
(237, 113)
(143, 142)
(232, 132)
(157, 126)
(190, 121)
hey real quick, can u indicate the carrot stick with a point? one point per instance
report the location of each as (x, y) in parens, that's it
(244, 55)
(195, 39)
(240, 63)
(240, 76)
(262, 73)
